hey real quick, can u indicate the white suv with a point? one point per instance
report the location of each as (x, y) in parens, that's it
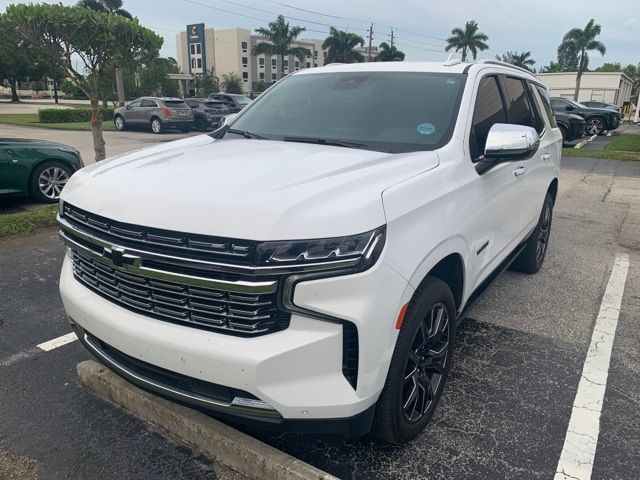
(306, 265)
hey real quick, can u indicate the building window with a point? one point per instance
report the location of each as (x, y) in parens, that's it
(315, 64)
(274, 62)
(324, 54)
(274, 76)
(245, 75)
(308, 65)
(315, 54)
(245, 60)
(286, 64)
(261, 75)
(244, 46)
(261, 62)
(297, 64)
(193, 62)
(199, 62)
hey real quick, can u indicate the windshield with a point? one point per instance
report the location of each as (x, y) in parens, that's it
(242, 100)
(384, 111)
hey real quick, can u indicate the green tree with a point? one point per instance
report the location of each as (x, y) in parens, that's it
(207, 83)
(261, 86)
(522, 60)
(19, 62)
(553, 67)
(609, 67)
(68, 35)
(279, 36)
(387, 53)
(567, 57)
(467, 40)
(583, 41)
(340, 47)
(633, 71)
(232, 83)
(154, 79)
(113, 7)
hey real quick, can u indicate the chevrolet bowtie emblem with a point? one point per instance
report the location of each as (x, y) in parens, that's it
(118, 257)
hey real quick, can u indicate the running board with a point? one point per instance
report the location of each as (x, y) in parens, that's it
(506, 263)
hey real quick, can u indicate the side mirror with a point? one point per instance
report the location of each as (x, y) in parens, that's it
(508, 143)
(127, 106)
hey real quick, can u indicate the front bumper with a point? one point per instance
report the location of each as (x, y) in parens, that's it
(297, 372)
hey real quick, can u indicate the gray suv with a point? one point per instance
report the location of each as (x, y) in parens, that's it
(207, 112)
(156, 113)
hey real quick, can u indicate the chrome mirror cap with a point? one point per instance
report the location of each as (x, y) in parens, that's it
(511, 142)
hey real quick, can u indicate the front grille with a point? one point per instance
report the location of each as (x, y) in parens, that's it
(216, 309)
(155, 240)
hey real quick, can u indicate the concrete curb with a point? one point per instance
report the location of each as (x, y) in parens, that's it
(224, 444)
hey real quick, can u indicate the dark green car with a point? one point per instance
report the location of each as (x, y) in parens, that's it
(36, 168)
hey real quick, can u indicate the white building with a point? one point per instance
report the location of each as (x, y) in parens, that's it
(228, 50)
(610, 87)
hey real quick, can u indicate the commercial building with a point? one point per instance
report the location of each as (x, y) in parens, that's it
(228, 50)
(610, 87)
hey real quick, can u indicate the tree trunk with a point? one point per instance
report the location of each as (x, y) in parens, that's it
(96, 129)
(464, 54)
(282, 65)
(55, 90)
(14, 90)
(581, 69)
(120, 86)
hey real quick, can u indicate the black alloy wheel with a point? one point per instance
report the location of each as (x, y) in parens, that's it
(426, 363)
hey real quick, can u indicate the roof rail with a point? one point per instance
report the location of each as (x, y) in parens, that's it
(504, 64)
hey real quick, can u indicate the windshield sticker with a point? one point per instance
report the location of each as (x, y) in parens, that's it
(452, 81)
(426, 129)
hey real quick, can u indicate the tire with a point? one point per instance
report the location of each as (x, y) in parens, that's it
(595, 126)
(399, 419)
(200, 124)
(47, 181)
(156, 126)
(119, 123)
(532, 257)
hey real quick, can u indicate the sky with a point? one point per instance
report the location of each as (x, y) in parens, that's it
(420, 25)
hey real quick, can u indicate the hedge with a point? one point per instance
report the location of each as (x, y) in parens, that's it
(71, 115)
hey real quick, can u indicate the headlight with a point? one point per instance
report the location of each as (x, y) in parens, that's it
(355, 251)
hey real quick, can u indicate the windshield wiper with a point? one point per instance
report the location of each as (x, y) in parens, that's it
(221, 132)
(325, 141)
(247, 134)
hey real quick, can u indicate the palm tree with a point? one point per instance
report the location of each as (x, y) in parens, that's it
(113, 7)
(279, 38)
(388, 53)
(340, 47)
(583, 41)
(553, 67)
(468, 39)
(522, 60)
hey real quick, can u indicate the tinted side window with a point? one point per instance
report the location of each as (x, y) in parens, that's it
(488, 111)
(558, 104)
(546, 102)
(149, 103)
(518, 103)
(538, 119)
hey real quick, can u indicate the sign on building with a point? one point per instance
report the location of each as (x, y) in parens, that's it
(195, 49)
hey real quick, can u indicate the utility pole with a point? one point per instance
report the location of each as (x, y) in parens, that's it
(370, 40)
(391, 37)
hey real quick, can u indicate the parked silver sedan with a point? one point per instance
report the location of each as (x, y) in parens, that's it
(155, 113)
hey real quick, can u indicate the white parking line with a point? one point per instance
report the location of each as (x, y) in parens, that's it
(58, 342)
(578, 452)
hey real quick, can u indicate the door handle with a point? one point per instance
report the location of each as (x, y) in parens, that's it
(519, 171)
(546, 156)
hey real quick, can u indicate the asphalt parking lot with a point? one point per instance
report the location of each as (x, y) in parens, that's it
(504, 413)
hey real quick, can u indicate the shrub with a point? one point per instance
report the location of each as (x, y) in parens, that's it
(71, 115)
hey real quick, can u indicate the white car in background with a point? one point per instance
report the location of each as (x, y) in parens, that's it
(306, 265)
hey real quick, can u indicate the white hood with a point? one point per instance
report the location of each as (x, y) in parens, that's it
(250, 189)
